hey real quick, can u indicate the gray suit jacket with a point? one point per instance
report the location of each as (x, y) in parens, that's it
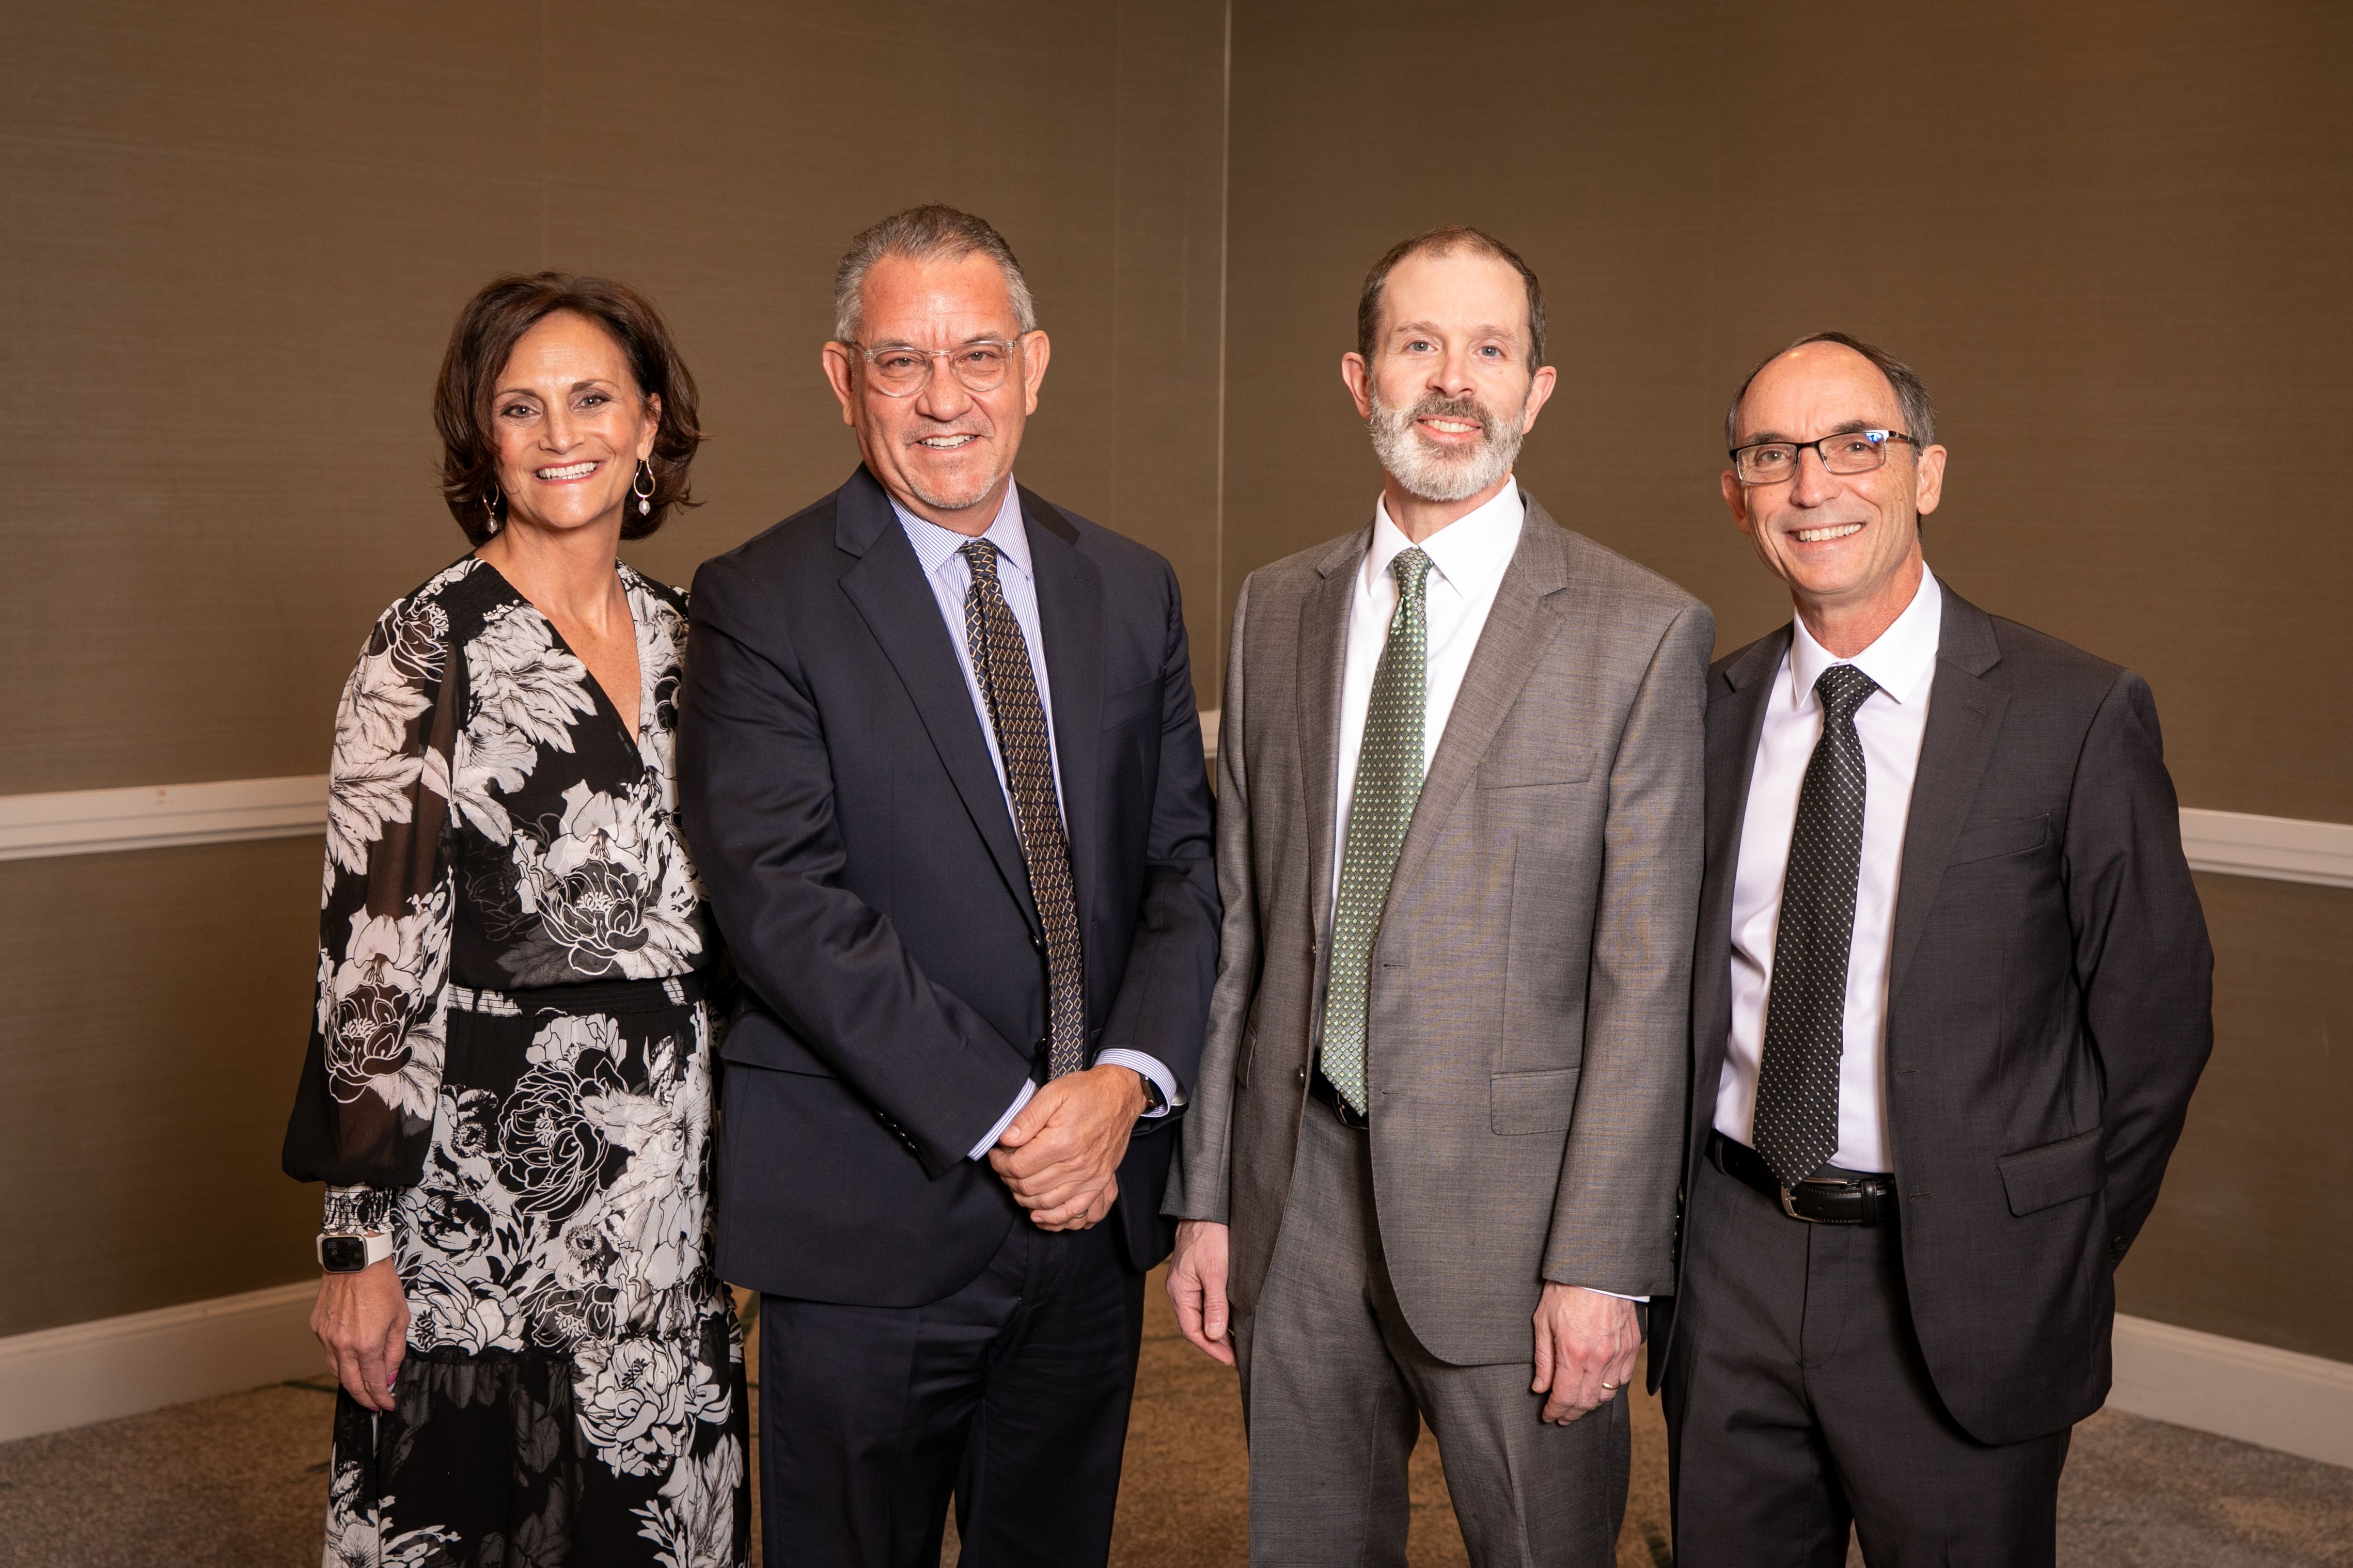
(1531, 982)
(2048, 1005)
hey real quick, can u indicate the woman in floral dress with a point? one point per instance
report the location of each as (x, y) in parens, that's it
(508, 1086)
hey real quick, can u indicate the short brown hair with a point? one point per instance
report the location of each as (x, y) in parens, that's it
(488, 328)
(1441, 242)
(1910, 392)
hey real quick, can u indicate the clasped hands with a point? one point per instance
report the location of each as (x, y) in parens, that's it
(1060, 1154)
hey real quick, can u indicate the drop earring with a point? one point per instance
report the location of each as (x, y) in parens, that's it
(646, 495)
(491, 500)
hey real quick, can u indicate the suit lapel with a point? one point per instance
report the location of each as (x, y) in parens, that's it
(1965, 715)
(1070, 614)
(1737, 695)
(888, 588)
(1323, 656)
(1529, 610)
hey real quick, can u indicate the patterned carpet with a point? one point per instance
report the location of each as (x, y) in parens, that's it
(240, 1482)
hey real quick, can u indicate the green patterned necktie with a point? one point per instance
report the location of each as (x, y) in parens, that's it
(1389, 780)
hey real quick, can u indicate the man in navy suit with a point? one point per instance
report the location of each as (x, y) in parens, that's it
(942, 773)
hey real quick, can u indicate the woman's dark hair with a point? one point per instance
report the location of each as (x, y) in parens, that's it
(488, 328)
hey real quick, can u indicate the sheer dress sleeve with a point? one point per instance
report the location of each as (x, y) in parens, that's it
(363, 1115)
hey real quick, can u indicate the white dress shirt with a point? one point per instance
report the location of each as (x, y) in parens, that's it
(940, 552)
(1467, 558)
(1890, 723)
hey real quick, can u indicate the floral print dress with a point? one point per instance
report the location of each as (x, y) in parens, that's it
(510, 1068)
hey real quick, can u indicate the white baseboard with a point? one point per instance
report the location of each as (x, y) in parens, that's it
(2278, 1399)
(121, 1366)
(99, 821)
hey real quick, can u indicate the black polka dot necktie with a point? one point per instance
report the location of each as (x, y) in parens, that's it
(1805, 1010)
(1380, 806)
(1001, 656)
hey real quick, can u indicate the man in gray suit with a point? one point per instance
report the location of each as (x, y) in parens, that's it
(1952, 995)
(1430, 1166)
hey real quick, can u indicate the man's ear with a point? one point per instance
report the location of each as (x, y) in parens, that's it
(835, 357)
(1358, 375)
(1540, 387)
(1929, 489)
(1036, 350)
(1736, 498)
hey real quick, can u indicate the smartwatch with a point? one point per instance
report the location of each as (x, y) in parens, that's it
(349, 1254)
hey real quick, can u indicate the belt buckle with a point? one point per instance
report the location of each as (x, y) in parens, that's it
(1790, 1208)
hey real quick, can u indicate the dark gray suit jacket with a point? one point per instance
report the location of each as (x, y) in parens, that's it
(2048, 1005)
(1527, 1004)
(836, 788)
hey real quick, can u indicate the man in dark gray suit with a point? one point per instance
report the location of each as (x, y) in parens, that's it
(1951, 995)
(1432, 1150)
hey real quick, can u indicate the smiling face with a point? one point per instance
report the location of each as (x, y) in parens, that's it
(945, 452)
(1847, 544)
(571, 425)
(1450, 391)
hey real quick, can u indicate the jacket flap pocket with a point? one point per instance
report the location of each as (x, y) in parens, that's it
(2013, 837)
(2071, 1168)
(758, 1041)
(1533, 767)
(1532, 1102)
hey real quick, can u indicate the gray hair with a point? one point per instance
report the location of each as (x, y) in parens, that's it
(928, 232)
(1911, 394)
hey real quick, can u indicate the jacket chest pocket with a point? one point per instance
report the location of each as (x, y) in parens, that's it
(2017, 836)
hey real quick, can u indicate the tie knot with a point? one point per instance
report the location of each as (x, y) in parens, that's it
(1412, 570)
(981, 556)
(1842, 688)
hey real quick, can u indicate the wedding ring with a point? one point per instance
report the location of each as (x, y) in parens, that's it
(1611, 1387)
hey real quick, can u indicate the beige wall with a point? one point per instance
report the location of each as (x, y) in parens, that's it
(237, 237)
(2114, 237)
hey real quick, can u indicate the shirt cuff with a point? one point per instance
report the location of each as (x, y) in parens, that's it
(1619, 1294)
(1149, 1066)
(980, 1150)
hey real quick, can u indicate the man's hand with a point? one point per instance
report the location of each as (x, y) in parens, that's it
(1197, 1283)
(1061, 1154)
(1586, 1343)
(362, 1319)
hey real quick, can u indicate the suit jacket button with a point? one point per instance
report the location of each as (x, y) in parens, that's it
(1303, 1075)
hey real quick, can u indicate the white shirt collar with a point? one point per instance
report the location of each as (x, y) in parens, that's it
(1899, 661)
(1468, 554)
(935, 546)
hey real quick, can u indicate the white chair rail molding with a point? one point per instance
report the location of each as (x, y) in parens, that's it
(118, 1366)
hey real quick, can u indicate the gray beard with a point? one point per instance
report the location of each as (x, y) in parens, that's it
(1436, 476)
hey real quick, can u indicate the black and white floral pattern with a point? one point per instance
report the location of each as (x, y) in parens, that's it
(514, 1046)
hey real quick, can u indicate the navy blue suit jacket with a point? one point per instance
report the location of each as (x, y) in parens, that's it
(837, 792)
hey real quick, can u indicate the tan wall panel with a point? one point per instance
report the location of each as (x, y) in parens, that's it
(151, 1034)
(237, 240)
(2114, 237)
(2252, 1237)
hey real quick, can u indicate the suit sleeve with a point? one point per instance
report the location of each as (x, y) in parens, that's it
(1199, 1183)
(1163, 1004)
(1613, 1213)
(2142, 959)
(756, 802)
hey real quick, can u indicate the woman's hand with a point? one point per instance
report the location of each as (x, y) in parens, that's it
(362, 1319)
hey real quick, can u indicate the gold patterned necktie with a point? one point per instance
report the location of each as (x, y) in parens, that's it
(1388, 782)
(1001, 657)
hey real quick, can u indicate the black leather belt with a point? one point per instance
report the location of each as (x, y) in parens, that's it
(1320, 1089)
(1832, 1198)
